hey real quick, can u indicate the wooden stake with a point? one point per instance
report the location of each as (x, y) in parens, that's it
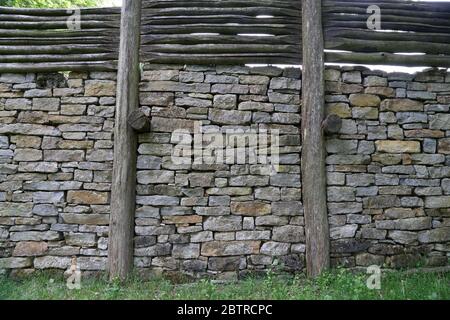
(313, 149)
(123, 193)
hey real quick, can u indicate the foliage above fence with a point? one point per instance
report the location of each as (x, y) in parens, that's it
(58, 39)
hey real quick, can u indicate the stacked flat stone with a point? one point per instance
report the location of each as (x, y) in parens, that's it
(389, 168)
(388, 171)
(223, 219)
(56, 153)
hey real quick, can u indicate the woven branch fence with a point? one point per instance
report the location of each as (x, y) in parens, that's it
(44, 39)
(226, 32)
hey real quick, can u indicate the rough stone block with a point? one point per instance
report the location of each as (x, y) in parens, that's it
(15, 263)
(401, 105)
(230, 248)
(223, 223)
(435, 235)
(364, 100)
(87, 197)
(11, 209)
(30, 249)
(273, 248)
(289, 233)
(437, 202)
(186, 251)
(229, 116)
(253, 208)
(389, 146)
(99, 88)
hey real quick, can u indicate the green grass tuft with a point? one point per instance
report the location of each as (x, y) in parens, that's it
(338, 284)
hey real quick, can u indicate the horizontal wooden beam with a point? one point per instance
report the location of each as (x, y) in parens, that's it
(251, 11)
(388, 19)
(275, 29)
(58, 57)
(74, 41)
(58, 66)
(405, 11)
(358, 45)
(399, 26)
(114, 33)
(227, 59)
(191, 39)
(365, 34)
(56, 24)
(61, 49)
(221, 48)
(84, 17)
(381, 58)
(221, 4)
(216, 19)
(57, 12)
(389, 4)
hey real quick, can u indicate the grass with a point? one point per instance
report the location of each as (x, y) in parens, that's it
(339, 284)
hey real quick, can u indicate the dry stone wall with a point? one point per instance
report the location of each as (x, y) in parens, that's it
(388, 170)
(219, 217)
(56, 153)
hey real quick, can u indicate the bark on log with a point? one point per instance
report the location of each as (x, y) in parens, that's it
(369, 35)
(273, 29)
(400, 26)
(123, 193)
(56, 12)
(386, 46)
(56, 25)
(349, 9)
(384, 58)
(250, 11)
(227, 59)
(176, 20)
(57, 57)
(313, 150)
(221, 48)
(59, 33)
(434, 21)
(58, 66)
(218, 39)
(220, 3)
(56, 49)
(85, 17)
(389, 4)
(38, 40)
(55, 41)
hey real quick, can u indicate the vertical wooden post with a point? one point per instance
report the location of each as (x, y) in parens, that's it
(123, 193)
(313, 149)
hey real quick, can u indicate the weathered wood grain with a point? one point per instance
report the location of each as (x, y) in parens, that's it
(40, 40)
(123, 193)
(139, 121)
(313, 146)
(384, 58)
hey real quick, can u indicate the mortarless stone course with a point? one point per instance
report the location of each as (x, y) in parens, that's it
(230, 218)
(400, 181)
(56, 178)
(388, 171)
